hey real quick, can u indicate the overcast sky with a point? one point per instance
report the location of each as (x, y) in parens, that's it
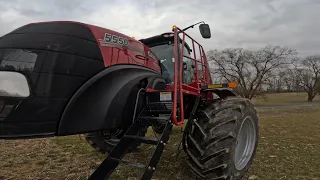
(234, 23)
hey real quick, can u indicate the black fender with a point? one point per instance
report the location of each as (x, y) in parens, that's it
(222, 92)
(105, 100)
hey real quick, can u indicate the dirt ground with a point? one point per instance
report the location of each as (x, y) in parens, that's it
(288, 148)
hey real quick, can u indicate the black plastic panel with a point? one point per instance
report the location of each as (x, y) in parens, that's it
(54, 85)
(101, 102)
(71, 65)
(66, 28)
(22, 60)
(37, 109)
(16, 130)
(57, 59)
(33, 60)
(53, 42)
(7, 104)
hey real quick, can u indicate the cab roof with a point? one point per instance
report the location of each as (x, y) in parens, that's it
(162, 39)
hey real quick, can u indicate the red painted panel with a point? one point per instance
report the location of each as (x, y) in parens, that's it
(114, 52)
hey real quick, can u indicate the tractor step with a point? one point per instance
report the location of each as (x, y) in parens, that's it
(143, 121)
(152, 118)
(161, 111)
(142, 139)
(159, 103)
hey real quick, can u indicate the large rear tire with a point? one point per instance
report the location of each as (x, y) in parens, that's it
(221, 143)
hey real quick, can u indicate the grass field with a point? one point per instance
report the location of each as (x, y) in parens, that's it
(288, 148)
(284, 99)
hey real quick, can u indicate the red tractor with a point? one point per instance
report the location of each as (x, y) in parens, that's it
(65, 78)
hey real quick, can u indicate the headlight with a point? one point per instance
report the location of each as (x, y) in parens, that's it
(13, 84)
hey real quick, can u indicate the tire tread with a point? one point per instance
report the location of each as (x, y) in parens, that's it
(211, 142)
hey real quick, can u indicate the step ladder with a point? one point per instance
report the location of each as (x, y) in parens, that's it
(149, 116)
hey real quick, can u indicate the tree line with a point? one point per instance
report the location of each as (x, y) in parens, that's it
(272, 68)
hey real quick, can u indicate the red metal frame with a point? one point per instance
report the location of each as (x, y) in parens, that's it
(193, 88)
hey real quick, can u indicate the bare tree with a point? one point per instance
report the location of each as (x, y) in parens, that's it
(308, 74)
(276, 81)
(289, 80)
(318, 87)
(249, 68)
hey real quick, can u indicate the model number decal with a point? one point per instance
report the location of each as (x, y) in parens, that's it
(115, 39)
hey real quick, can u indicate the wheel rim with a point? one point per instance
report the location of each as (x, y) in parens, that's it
(246, 142)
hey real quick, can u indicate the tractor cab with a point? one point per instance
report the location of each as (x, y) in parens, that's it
(163, 47)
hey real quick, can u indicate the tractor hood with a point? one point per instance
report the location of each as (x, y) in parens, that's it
(56, 78)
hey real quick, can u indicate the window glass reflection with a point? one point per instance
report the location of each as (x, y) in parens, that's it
(17, 59)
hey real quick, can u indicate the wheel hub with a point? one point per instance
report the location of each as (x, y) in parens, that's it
(245, 144)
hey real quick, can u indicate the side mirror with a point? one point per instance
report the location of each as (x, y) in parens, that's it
(205, 31)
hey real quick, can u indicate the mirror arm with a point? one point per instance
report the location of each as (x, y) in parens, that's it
(192, 26)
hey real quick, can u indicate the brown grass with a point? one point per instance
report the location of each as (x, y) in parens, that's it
(288, 148)
(284, 99)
